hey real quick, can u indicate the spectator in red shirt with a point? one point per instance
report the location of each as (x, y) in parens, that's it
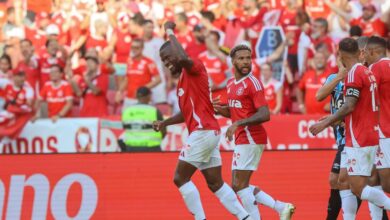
(331, 62)
(192, 14)
(370, 24)
(311, 82)
(273, 89)
(216, 66)
(57, 93)
(19, 97)
(92, 89)
(5, 67)
(56, 55)
(197, 45)
(29, 65)
(121, 39)
(141, 71)
(320, 35)
(184, 35)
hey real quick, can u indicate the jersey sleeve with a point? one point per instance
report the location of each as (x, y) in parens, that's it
(330, 78)
(257, 95)
(354, 82)
(197, 67)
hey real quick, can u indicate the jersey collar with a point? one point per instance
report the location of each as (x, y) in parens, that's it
(244, 78)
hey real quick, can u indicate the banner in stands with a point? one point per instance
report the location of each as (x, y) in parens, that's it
(285, 132)
(270, 38)
(64, 136)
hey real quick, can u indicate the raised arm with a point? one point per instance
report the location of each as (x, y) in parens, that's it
(177, 49)
(329, 85)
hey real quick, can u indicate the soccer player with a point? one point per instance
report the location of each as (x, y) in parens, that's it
(340, 194)
(361, 121)
(201, 148)
(379, 64)
(248, 109)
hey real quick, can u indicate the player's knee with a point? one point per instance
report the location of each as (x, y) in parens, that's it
(179, 180)
(214, 186)
(237, 186)
(357, 190)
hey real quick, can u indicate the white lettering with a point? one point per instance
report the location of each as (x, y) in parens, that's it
(60, 194)
(41, 188)
(301, 125)
(108, 141)
(234, 103)
(303, 130)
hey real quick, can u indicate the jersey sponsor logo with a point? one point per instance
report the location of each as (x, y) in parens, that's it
(234, 104)
(353, 92)
(180, 92)
(240, 91)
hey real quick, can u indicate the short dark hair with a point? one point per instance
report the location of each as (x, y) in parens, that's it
(378, 41)
(239, 48)
(138, 18)
(95, 59)
(208, 15)
(57, 66)
(48, 41)
(355, 31)
(349, 45)
(8, 59)
(147, 21)
(216, 33)
(182, 16)
(26, 40)
(323, 22)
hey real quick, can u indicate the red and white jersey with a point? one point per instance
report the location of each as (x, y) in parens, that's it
(45, 64)
(245, 97)
(381, 70)
(193, 19)
(11, 93)
(270, 89)
(361, 125)
(194, 98)
(185, 39)
(56, 96)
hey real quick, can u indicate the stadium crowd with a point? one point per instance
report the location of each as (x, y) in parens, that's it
(86, 58)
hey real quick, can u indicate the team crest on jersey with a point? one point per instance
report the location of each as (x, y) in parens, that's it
(180, 92)
(240, 91)
(60, 93)
(217, 65)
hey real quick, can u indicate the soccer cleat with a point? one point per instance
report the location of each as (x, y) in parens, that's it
(287, 212)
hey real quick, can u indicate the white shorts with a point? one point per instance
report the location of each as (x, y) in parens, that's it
(202, 150)
(382, 157)
(360, 160)
(343, 160)
(247, 156)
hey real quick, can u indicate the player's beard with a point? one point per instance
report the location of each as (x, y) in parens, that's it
(241, 70)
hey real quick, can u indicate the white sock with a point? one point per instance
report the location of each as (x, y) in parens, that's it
(249, 202)
(376, 212)
(229, 199)
(267, 200)
(349, 204)
(192, 200)
(376, 196)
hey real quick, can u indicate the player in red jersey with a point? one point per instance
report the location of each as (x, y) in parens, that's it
(201, 148)
(379, 64)
(248, 109)
(58, 94)
(360, 111)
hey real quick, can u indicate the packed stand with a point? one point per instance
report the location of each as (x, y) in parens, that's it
(87, 58)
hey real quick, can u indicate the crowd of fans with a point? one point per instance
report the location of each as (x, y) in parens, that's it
(86, 58)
